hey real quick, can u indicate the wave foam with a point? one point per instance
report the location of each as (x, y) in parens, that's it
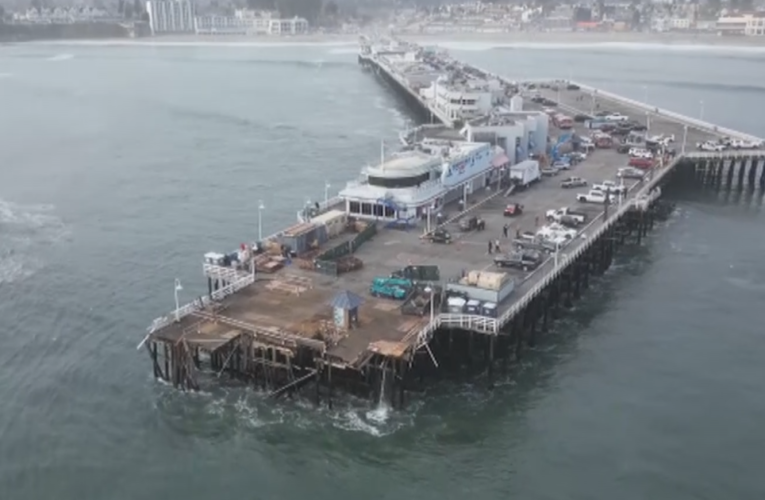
(472, 46)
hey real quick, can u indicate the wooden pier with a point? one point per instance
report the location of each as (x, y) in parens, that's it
(275, 326)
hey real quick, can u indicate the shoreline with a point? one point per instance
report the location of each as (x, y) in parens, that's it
(449, 40)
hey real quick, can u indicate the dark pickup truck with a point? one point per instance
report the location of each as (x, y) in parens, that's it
(523, 259)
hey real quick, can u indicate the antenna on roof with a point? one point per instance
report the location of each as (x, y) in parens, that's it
(382, 152)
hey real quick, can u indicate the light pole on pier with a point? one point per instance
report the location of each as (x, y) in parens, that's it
(326, 194)
(261, 207)
(178, 288)
(647, 121)
(685, 137)
(701, 110)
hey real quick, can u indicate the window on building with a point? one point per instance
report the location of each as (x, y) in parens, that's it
(398, 182)
(354, 207)
(366, 209)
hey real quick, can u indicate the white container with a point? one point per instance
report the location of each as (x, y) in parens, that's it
(456, 305)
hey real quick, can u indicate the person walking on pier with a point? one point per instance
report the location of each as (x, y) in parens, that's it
(504, 230)
(496, 247)
(491, 245)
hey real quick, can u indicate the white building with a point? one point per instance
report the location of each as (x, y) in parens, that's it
(222, 25)
(459, 101)
(294, 26)
(748, 25)
(410, 183)
(260, 20)
(170, 16)
(520, 134)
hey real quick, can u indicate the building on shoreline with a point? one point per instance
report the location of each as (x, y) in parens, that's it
(170, 16)
(249, 22)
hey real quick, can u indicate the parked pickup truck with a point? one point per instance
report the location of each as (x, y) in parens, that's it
(522, 259)
(610, 187)
(556, 215)
(710, 146)
(595, 196)
(572, 182)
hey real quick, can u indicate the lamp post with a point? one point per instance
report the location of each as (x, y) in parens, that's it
(685, 136)
(326, 194)
(178, 288)
(261, 207)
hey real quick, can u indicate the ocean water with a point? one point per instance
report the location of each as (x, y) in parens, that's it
(121, 165)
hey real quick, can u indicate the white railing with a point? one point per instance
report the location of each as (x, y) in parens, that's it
(727, 154)
(469, 322)
(698, 124)
(198, 304)
(228, 274)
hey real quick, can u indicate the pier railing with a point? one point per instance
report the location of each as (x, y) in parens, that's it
(192, 307)
(647, 108)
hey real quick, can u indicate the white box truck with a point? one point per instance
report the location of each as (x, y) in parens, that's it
(525, 172)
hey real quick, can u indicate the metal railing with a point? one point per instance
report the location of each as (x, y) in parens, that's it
(698, 124)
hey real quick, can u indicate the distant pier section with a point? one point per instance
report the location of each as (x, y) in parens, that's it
(454, 253)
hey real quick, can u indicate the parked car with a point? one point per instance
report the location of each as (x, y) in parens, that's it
(572, 182)
(440, 235)
(572, 86)
(513, 210)
(640, 162)
(556, 215)
(610, 187)
(640, 153)
(630, 173)
(525, 260)
(595, 196)
(581, 118)
(549, 171)
(471, 223)
(616, 117)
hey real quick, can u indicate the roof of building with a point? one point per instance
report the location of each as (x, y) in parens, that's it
(346, 300)
(405, 163)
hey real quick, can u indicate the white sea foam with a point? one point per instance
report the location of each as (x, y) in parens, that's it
(61, 57)
(23, 228)
(479, 46)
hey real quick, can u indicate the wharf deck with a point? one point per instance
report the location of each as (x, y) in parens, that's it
(292, 306)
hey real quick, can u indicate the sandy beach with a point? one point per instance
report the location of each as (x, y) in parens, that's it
(458, 40)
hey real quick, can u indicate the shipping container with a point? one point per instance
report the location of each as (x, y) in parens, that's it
(334, 220)
(489, 309)
(483, 294)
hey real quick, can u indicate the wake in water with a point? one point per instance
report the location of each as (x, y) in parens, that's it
(24, 229)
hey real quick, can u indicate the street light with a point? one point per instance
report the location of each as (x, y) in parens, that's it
(647, 121)
(432, 293)
(326, 194)
(261, 207)
(701, 110)
(685, 136)
(178, 288)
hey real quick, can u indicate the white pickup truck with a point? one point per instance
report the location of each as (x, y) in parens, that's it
(610, 187)
(562, 213)
(595, 196)
(739, 144)
(710, 146)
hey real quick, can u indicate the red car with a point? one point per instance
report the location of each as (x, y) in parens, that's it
(644, 163)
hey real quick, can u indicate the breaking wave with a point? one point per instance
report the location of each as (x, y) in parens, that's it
(25, 228)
